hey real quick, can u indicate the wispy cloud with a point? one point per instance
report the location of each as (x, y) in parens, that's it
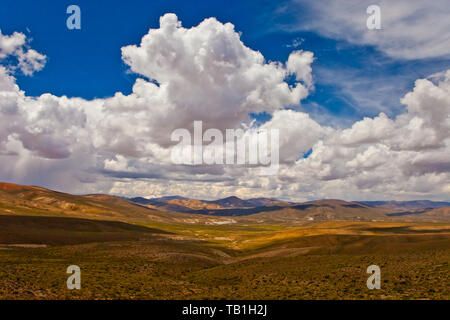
(411, 29)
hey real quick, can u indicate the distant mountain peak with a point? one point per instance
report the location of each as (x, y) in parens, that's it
(167, 198)
(232, 198)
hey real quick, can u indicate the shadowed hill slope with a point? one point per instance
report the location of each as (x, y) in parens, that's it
(67, 231)
(30, 200)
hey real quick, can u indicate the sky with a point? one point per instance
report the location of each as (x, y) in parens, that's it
(363, 114)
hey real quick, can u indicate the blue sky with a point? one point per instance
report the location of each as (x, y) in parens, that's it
(87, 63)
(328, 83)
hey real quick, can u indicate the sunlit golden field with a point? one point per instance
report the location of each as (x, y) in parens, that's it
(325, 260)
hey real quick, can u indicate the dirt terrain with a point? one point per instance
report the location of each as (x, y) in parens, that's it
(128, 251)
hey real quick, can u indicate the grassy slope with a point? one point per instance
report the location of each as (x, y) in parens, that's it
(179, 256)
(315, 261)
(67, 231)
(36, 201)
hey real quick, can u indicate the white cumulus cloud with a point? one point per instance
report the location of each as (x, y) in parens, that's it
(121, 144)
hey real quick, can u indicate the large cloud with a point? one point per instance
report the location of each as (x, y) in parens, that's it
(204, 73)
(389, 157)
(377, 158)
(121, 144)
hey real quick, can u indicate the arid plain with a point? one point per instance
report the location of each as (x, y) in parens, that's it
(178, 248)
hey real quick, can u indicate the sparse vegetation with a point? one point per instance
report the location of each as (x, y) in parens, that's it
(319, 261)
(140, 253)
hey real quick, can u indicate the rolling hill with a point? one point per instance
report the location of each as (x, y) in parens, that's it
(36, 201)
(268, 249)
(270, 209)
(31, 200)
(406, 205)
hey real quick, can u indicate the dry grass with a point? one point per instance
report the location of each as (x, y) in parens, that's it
(255, 261)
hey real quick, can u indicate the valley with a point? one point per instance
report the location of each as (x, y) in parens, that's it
(130, 250)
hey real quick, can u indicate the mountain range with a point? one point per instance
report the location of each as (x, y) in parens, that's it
(30, 200)
(328, 209)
